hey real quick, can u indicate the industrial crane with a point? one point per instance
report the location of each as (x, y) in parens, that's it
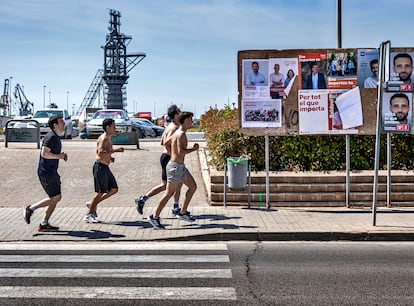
(25, 107)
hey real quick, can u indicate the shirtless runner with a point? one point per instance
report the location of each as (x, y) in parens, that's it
(177, 173)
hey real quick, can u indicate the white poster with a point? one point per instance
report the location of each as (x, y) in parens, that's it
(266, 113)
(313, 111)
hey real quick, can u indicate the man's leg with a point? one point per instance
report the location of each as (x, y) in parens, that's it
(192, 187)
(171, 188)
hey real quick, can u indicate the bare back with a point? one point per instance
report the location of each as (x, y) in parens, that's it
(167, 135)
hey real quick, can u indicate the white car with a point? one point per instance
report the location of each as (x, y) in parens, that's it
(122, 122)
(42, 116)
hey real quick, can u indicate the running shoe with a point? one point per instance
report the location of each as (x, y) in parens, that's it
(88, 204)
(155, 222)
(139, 202)
(89, 218)
(47, 228)
(185, 217)
(27, 213)
(175, 210)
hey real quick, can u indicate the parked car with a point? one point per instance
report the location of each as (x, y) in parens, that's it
(122, 122)
(75, 132)
(42, 116)
(143, 130)
(157, 129)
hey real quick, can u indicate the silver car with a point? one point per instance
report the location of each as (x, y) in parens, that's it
(122, 122)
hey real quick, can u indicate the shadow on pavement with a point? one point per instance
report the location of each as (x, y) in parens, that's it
(94, 234)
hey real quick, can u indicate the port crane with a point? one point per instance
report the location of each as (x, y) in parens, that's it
(24, 105)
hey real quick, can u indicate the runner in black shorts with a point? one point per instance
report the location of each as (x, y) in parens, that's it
(48, 175)
(104, 180)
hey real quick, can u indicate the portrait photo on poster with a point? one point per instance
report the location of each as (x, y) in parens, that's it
(401, 67)
(255, 78)
(261, 113)
(282, 74)
(313, 67)
(368, 68)
(397, 112)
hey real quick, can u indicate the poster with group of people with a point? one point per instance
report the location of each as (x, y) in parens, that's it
(328, 84)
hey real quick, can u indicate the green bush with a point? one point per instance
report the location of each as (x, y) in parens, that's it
(298, 153)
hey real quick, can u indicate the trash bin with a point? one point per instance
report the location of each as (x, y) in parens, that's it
(237, 167)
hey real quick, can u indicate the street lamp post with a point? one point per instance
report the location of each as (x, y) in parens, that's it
(67, 100)
(44, 103)
(73, 109)
(50, 101)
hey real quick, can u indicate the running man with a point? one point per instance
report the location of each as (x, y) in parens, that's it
(104, 181)
(50, 153)
(173, 112)
(177, 173)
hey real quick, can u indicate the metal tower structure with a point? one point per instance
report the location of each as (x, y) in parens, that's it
(5, 100)
(117, 62)
(92, 92)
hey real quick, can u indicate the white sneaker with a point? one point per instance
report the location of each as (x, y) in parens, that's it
(90, 219)
(88, 204)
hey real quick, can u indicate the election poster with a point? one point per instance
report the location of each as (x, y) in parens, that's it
(397, 112)
(255, 77)
(313, 67)
(313, 112)
(262, 113)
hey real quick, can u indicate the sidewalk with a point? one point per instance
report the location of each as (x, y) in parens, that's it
(137, 171)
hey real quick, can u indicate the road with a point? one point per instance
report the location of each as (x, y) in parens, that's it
(214, 273)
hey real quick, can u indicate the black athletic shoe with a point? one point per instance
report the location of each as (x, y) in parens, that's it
(47, 228)
(27, 213)
(140, 204)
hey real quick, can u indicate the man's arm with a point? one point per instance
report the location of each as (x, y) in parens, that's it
(47, 154)
(182, 145)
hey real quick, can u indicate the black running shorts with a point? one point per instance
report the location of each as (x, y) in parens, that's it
(103, 178)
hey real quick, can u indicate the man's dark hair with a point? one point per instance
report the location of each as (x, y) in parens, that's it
(107, 122)
(372, 62)
(53, 120)
(172, 111)
(403, 55)
(399, 95)
(184, 115)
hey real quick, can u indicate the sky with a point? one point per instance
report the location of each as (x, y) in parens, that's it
(191, 45)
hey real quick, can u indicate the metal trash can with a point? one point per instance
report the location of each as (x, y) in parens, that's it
(237, 167)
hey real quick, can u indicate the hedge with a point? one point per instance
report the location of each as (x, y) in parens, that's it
(298, 153)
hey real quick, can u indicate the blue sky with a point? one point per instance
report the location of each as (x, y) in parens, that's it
(191, 45)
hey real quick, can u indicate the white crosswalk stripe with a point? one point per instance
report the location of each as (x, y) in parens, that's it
(52, 263)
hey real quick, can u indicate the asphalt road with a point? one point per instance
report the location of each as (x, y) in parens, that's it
(232, 273)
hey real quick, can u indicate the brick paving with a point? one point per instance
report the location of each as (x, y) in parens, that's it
(137, 170)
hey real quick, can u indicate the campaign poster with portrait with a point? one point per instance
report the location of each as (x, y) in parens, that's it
(265, 113)
(397, 112)
(282, 74)
(255, 76)
(309, 64)
(313, 112)
(368, 68)
(401, 72)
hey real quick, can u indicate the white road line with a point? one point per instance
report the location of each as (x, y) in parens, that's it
(122, 246)
(117, 273)
(120, 293)
(114, 258)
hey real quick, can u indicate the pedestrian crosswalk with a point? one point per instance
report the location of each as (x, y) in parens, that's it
(116, 271)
